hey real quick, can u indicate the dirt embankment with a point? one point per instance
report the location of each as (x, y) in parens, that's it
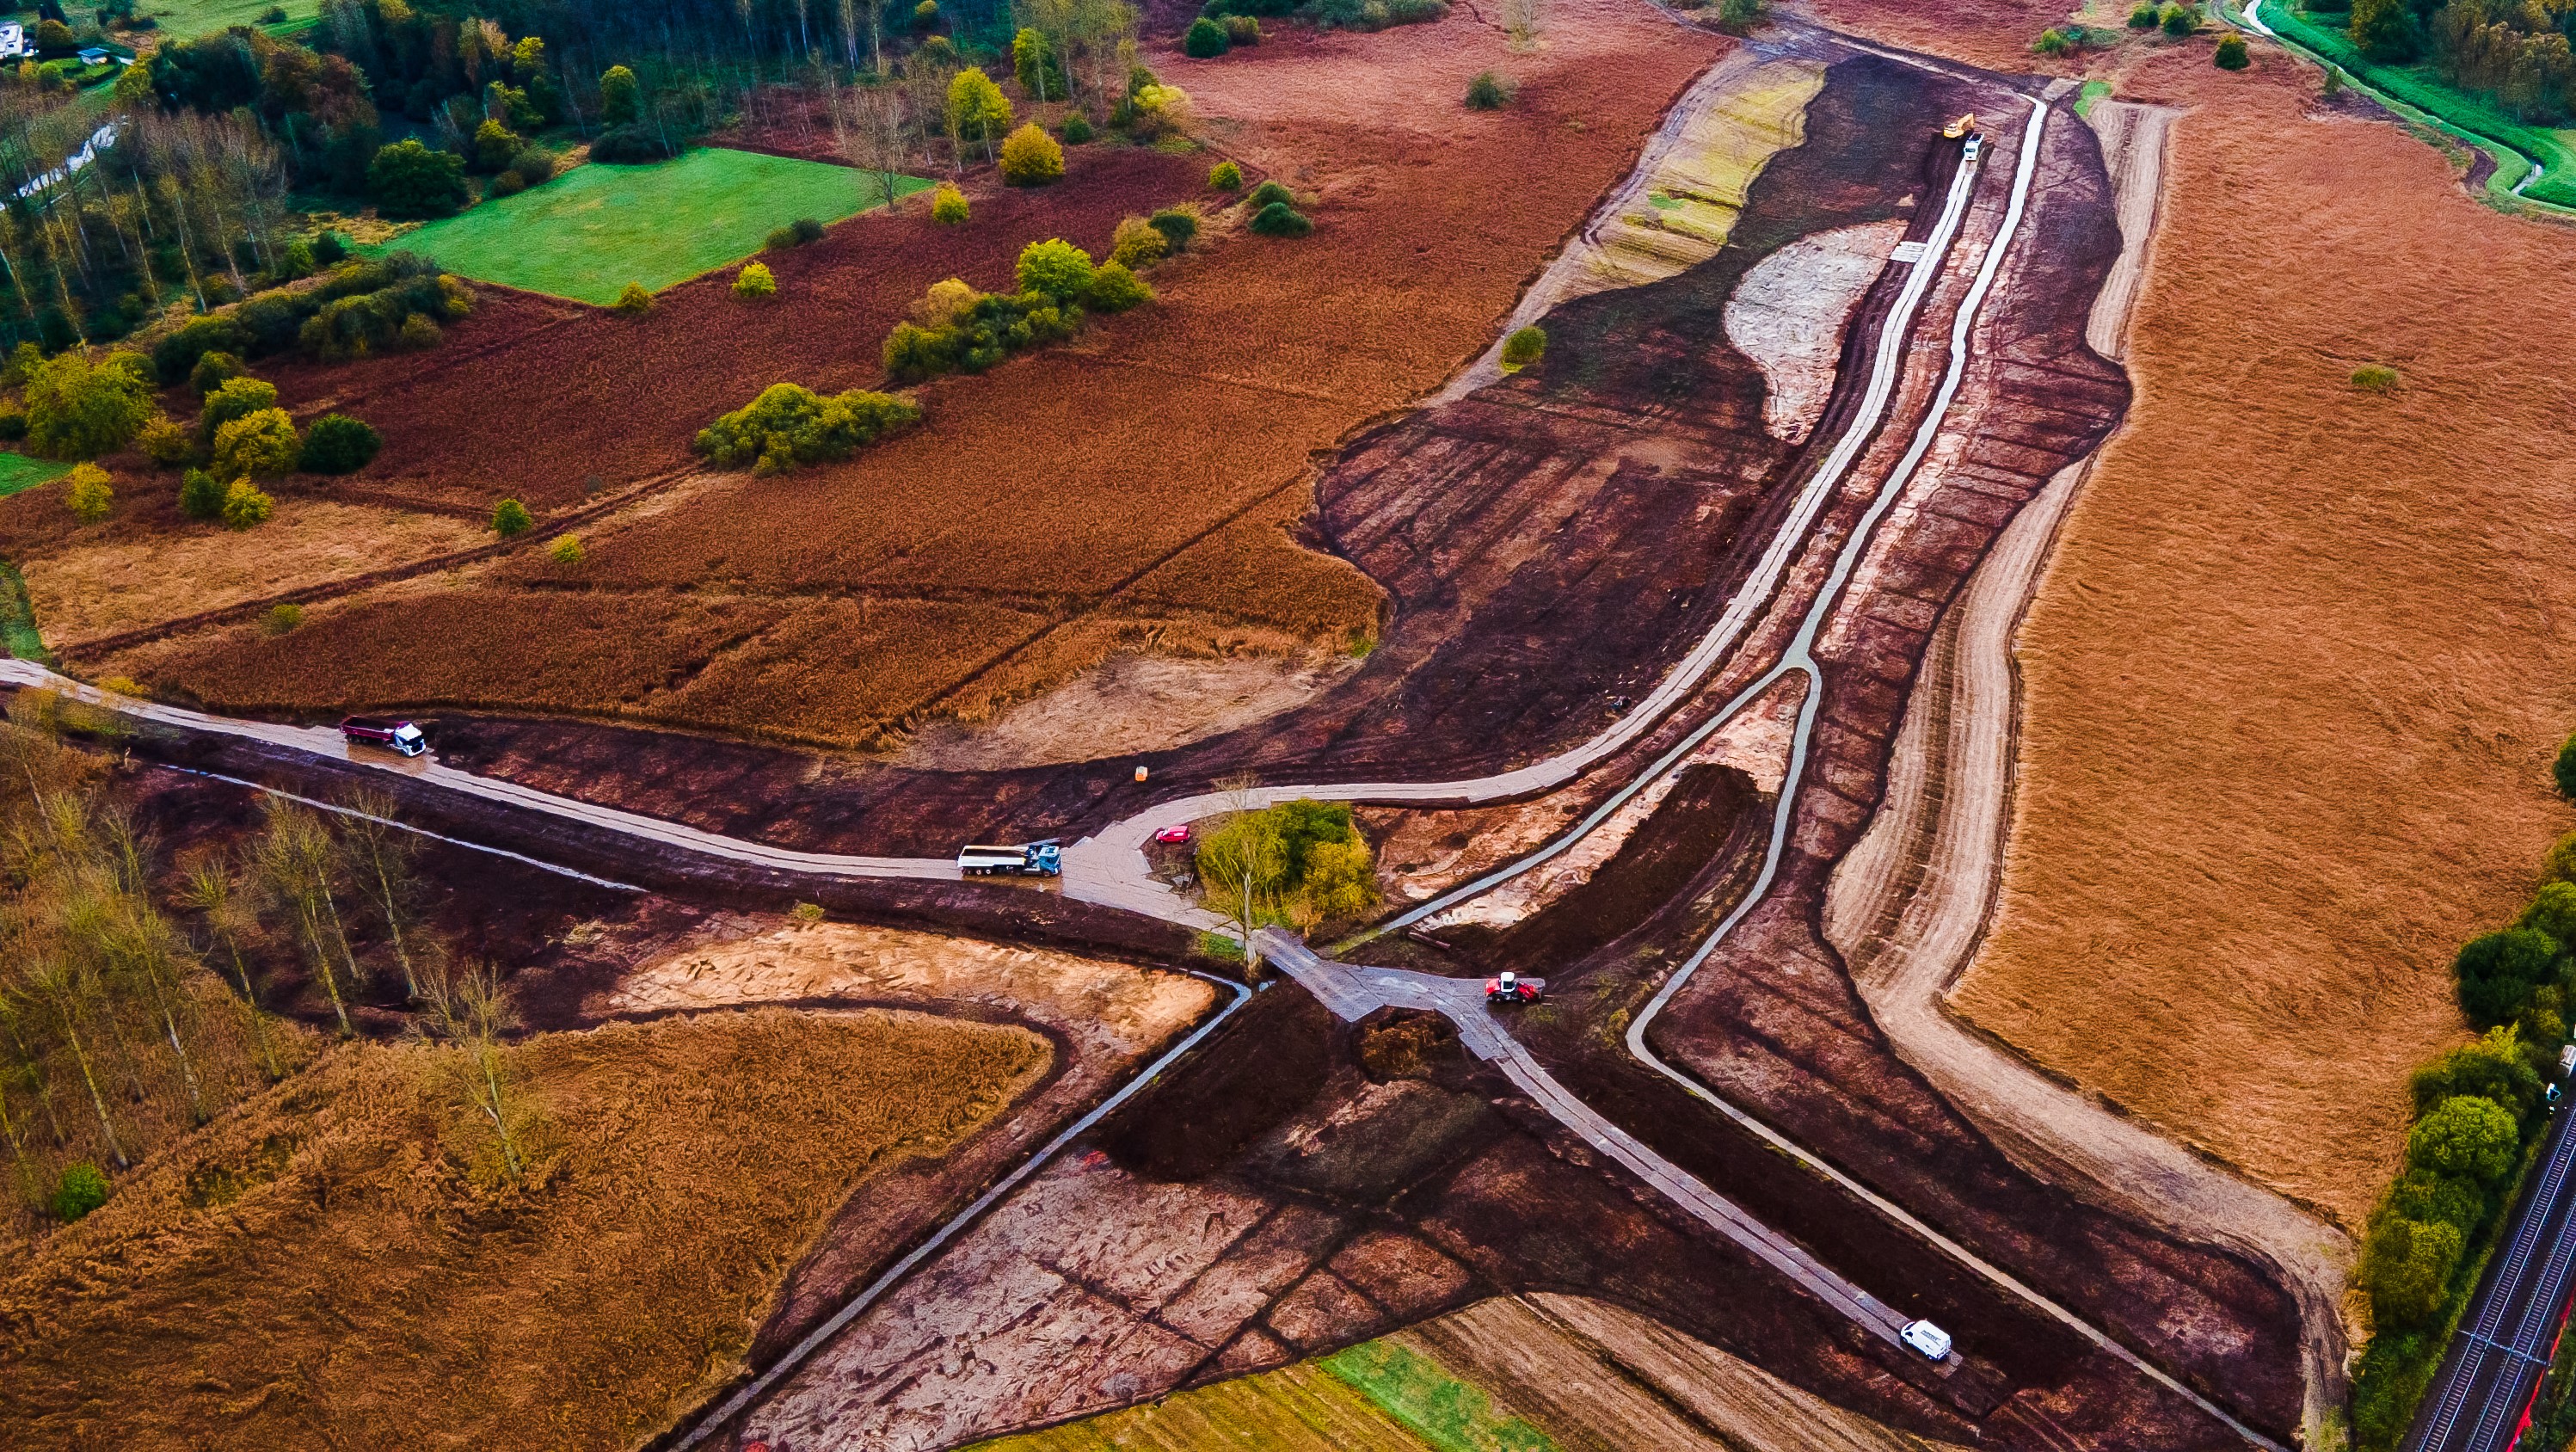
(320, 1268)
(2291, 682)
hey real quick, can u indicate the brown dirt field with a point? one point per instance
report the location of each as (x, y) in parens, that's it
(121, 580)
(1080, 479)
(1129, 704)
(2243, 855)
(319, 1270)
(1995, 33)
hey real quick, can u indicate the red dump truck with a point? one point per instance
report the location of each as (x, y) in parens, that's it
(399, 736)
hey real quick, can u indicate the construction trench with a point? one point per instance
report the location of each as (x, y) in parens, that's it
(1554, 542)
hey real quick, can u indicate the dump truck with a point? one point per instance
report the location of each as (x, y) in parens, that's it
(399, 736)
(1029, 859)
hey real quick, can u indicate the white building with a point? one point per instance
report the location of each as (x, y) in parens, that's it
(13, 40)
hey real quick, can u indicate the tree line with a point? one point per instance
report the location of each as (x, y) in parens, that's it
(2518, 53)
(142, 992)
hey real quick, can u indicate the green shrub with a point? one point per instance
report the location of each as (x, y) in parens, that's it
(330, 248)
(1031, 158)
(2465, 1138)
(1114, 289)
(754, 281)
(80, 410)
(636, 145)
(2386, 1386)
(807, 229)
(260, 445)
(408, 180)
(166, 443)
(2499, 971)
(1180, 227)
(283, 618)
(566, 550)
(948, 206)
(634, 302)
(89, 496)
(80, 1190)
(2564, 771)
(1054, 267)
(213, 368)
(989, 329)
(511, 519)
(178, 352)
(2179, 20)
(1281, 220)
(507, 184)
(1242, 30)
(533, 166)
(247, 506)
(2375, 378)
(1225, 176)
(1076, 129)
(2144, 17)
(1138, 243)
(201, 495)
(495, 145)
(2494, 1068)
(2231, 54)
(417, 333)
(1523, 347)
(1738, 16)
(1489, 92)
(2423, 1196)
(13, 422)
(339, 444)
(233, 398)
(621, 98)
(2406, 1267)
(1267, 193)
(1037, 65)
(1205, 39)
(2053, 41)
(790, 425)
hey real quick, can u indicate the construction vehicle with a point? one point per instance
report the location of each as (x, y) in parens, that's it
(1926, 1338)
(398, 736)
(1031, 859)
(1513, 988)
(1961, 127)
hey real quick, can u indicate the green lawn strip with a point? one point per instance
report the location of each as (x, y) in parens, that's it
(594, 229)
(2093, 91)
(1435, 1406)
(188, 19)
(2415, 93)
(18, 618)
(20, 472)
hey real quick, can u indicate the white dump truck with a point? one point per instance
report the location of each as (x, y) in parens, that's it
(1029, 859)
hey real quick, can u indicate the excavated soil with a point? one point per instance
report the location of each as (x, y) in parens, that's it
(2293, 680)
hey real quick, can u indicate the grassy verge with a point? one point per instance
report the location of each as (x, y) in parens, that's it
(18, 618)
(594, 229)
(19, 471)
(2418, 95)
(1435, 1406)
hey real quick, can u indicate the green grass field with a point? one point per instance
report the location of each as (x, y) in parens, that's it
(189, 18)
(18, 471)
(2420, 87)
(594, 229)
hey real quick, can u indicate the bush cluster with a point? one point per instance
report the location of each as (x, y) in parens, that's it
(1329, 14)
(2477, 1109)
(359, 308)
(795, 234)
(948, 206)
(1489, 92)
(635, 144)
(790, 425)
(1524, 347)
(1205, 39)
(955, 329)
(1031, 158)
(77, 409)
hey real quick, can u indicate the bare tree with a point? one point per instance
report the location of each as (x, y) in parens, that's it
(470, 1010)
(226, 898)
(382, 852)
(872, 129)
(294, 855)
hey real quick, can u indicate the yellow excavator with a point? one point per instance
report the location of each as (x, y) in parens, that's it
(1960, 127)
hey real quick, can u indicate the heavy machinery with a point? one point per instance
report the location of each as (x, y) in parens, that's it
(398, 736)
(1031, 859)
(1961, 127)
(1513, 988)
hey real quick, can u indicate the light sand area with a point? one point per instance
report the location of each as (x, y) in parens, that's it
(86, 590)
(1789, 312)
(1128, 705)
(1132, 1008)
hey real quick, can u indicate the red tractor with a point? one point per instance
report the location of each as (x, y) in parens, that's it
(1513, 988)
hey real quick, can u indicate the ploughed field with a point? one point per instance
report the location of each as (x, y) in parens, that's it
(1143, 481)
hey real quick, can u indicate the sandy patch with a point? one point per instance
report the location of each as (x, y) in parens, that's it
(90, 590)
(1136, 1007)
(1129, 705)
(1789, 312)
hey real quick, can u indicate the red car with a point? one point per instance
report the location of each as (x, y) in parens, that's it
(1513, 988)
(1174, 835)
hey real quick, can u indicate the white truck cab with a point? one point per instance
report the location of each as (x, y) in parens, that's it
(1927, 1338)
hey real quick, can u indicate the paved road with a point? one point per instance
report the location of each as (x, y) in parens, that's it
(2504, 1343)
(1354, 993)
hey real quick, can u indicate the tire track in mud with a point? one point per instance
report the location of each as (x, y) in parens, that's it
(1909, 906)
